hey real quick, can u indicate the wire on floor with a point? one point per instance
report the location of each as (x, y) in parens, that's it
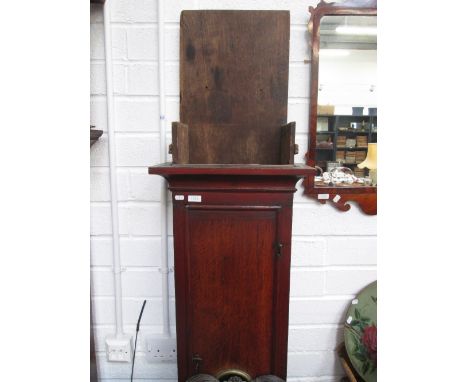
(136, 338)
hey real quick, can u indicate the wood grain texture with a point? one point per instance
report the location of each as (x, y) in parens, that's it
(366, 198)
(234, 84)
(231, 255)
(167, 169)
(288, 133)
(232, 196)
(340, 198)
(180, 143)
(231, 280)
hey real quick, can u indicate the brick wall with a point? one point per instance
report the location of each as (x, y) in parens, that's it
(333, 253)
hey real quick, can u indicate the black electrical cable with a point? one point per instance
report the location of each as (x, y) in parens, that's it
(136, 338)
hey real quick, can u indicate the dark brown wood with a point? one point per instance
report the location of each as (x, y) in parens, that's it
(94, 135)
(235, 257)
(288, 147)
(97, 1)
(231, 275)
(234, 84)
(168, 169)
(180, 143)
(366, 197)
(232, 199)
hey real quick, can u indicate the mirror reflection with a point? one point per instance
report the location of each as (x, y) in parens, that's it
(346, 146)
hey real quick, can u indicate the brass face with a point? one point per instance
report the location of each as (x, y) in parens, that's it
(231, 374)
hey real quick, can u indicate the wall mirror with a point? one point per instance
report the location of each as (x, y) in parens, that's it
(343, 111)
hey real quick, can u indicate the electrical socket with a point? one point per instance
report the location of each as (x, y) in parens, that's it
(119, 349)
(160, 348)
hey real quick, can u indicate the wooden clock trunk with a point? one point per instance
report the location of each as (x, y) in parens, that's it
(232, 180)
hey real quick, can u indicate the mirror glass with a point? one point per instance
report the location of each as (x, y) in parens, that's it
(346, 146)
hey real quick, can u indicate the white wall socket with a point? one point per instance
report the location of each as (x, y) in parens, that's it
(160, 348)
(119, 349)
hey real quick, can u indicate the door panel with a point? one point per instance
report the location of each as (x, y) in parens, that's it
(231, 288)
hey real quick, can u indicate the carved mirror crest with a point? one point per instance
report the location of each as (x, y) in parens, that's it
(343, 108)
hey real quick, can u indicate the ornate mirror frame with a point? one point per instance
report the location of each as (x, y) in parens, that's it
(365, 197)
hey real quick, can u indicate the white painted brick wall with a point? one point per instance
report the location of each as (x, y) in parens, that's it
(333, 253)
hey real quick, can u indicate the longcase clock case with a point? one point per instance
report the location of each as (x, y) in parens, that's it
(232, 180)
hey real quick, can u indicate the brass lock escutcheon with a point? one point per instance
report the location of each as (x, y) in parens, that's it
(234, 375)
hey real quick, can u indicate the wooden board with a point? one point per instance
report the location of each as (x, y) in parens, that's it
(234, 84)
(288, 134)
(168, 169)
(180, 143)
(232, 287)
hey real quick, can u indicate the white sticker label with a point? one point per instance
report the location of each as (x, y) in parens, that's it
(349, 320)
(323, 196)
(194, 198)
(336, 198)
(355, 301)
(179, 197)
